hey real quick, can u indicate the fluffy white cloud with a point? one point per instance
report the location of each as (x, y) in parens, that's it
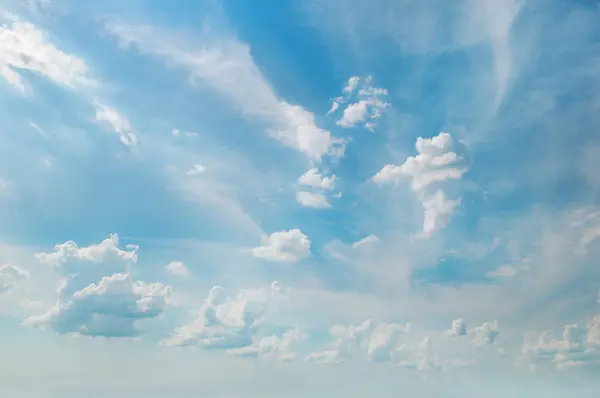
(227, 66)
(578, 346)
(287, 246)
(108, 308)
(435, 163)
(367, 107)
(11, 277)
(486, 333)
(97, 295)
(312, 199)
(347, 342)
(118, 122)
(233, 324)
(178, 268)
(312, 178)
(24, 47)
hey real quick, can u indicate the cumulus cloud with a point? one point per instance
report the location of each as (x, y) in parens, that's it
(97, 295)
(107, 309)
(319, 186)
(364, 108)
(11, 277)
(285, 246)
(228, 67)
(312, 178)
(486, 333)
(579, 345)
(435, 163)
(233, 324)
(459, 328)
(313, 199)
(178, 268)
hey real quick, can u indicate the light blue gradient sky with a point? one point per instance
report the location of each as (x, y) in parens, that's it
(219, 233)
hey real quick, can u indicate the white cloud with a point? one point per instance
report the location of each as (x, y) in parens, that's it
(108, 308)
(118, 122)
(227, 66)
(312, 199)
(196, 169)
(11, 277)
(271, 346)
(365, 241)
(97, 295)
(232, 323)
(312, 178)
(285, 246)
(578, 346)
(178, 268)
(486, 333)
(367, 107)
(24, 47)
(435, 163)
(437, 212)
(459, 328)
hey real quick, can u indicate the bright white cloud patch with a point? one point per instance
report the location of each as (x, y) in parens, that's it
(364, 108)
(178, 268)
(365, 241)
(435, 163)
(312, 199)
(312, 178)
(285, 246)
(11, 277)
(24, 47)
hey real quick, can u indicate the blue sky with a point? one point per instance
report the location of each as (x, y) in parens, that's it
(343, 198)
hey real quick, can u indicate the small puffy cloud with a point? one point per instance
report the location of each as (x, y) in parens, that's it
(312, 199)
(366, 106)
(196, 169)
(108, 308)
(285, 246)
(119, 123)
(312, 178)
(486, 333)
(11, 277)
(233, 324)
(459, 328)
(365, 241)
(178, 268)
(347, 342)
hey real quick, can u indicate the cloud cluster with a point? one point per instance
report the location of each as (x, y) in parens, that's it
(284, 246)
(97, 296)
(435, 163)
(314, 188)
(234, 324)
(366, 104)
